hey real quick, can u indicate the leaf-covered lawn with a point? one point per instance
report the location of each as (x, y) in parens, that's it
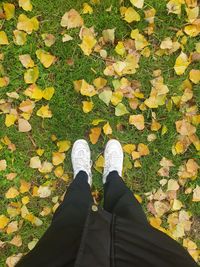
(98, 70)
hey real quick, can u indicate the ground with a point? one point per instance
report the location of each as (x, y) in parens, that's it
(69, 121)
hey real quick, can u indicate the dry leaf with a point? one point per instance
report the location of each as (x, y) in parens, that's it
(137, 121)
(26, 5)
(94, 135)
(24, 126)
(12, 193)
(107, 129)
(58, 158)
(71, 19)
(45, 58)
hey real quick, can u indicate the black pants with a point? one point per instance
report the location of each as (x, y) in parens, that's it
(68, 221)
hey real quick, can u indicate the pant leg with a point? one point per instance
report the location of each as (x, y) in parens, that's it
(118, 199)
(59, 245)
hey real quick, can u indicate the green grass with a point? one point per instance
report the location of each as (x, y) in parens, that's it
(69, 122)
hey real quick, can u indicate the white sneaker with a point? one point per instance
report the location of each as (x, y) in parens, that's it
(81, 158)
(113, 156)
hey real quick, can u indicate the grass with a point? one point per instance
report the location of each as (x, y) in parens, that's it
(69, 122)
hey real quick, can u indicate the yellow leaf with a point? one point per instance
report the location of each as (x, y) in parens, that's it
(10, 119)
(71, 19)
(192, 30)
(12, 192)
(100, 83)
(137, 164)
(87, 9)
(19, 37)
(88, 44)
(46, 167)
(44, 112)
(26, 61)
(99, 164)
(31, 75)
(164, 130)
(87, 106)
(196, 194)
(177, 204)
(155, 222)
(195, 76)
(192, 13)
(107, 129)
(137, 121)
(109, 35)
(3, 221)
(106, 96)
(4, 81)
(140, 40)
(40, 151)
(131, 15)
(48, 93)
(185, 128)
(35, 163)
(27, 106)
(44, 191)
(3, 38)
(155, 126)
(24, 126)
(181, 64)
(26, 5)
(94, 135)
(64, 145)
(138, 3)
(174, 6)
(129, 148)
(25, 200)
(26, 24)
(116, 98)
(97, 121)
(121, 110)
(9, 10)
(87, 89)
(3, 165)
(135, 155)
(49, 39)
(166, 43)
(59, 171)
(120, 49)
(45, 58)
(139, 199)
(58, 158)
(143, 149)
(24, 186)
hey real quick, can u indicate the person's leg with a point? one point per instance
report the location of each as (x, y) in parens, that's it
(60, 243)
(118, 199)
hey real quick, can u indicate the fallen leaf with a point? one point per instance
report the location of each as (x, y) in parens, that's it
(44, 112)
(9, 10)
(107, 129)
(87, 9)
(63, 145)
(44, 191)
(143, 149)
(181, 64)
(26, 5)
(24, 126)
(46, 167)
(3, 221)
(16, 241)
(26, 24)
(48, 93)
(88, 44)
(94, 135)
(109, 35)
(131, 15)
(106, 96)
(195, 76)
(137, 121)
(12, 193)
(185, 128)
(10, 119)
(20, 37)
(31, 75)
(57, 158)
(3, 38)
(172, 185)
(49, 39)
(87, 106)
(121, 110)
(26, 61)
(13, 260)
(45, 58)
(66, 38)
(71, 19)
(137, 3)
(196, 194)
(12, 227)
